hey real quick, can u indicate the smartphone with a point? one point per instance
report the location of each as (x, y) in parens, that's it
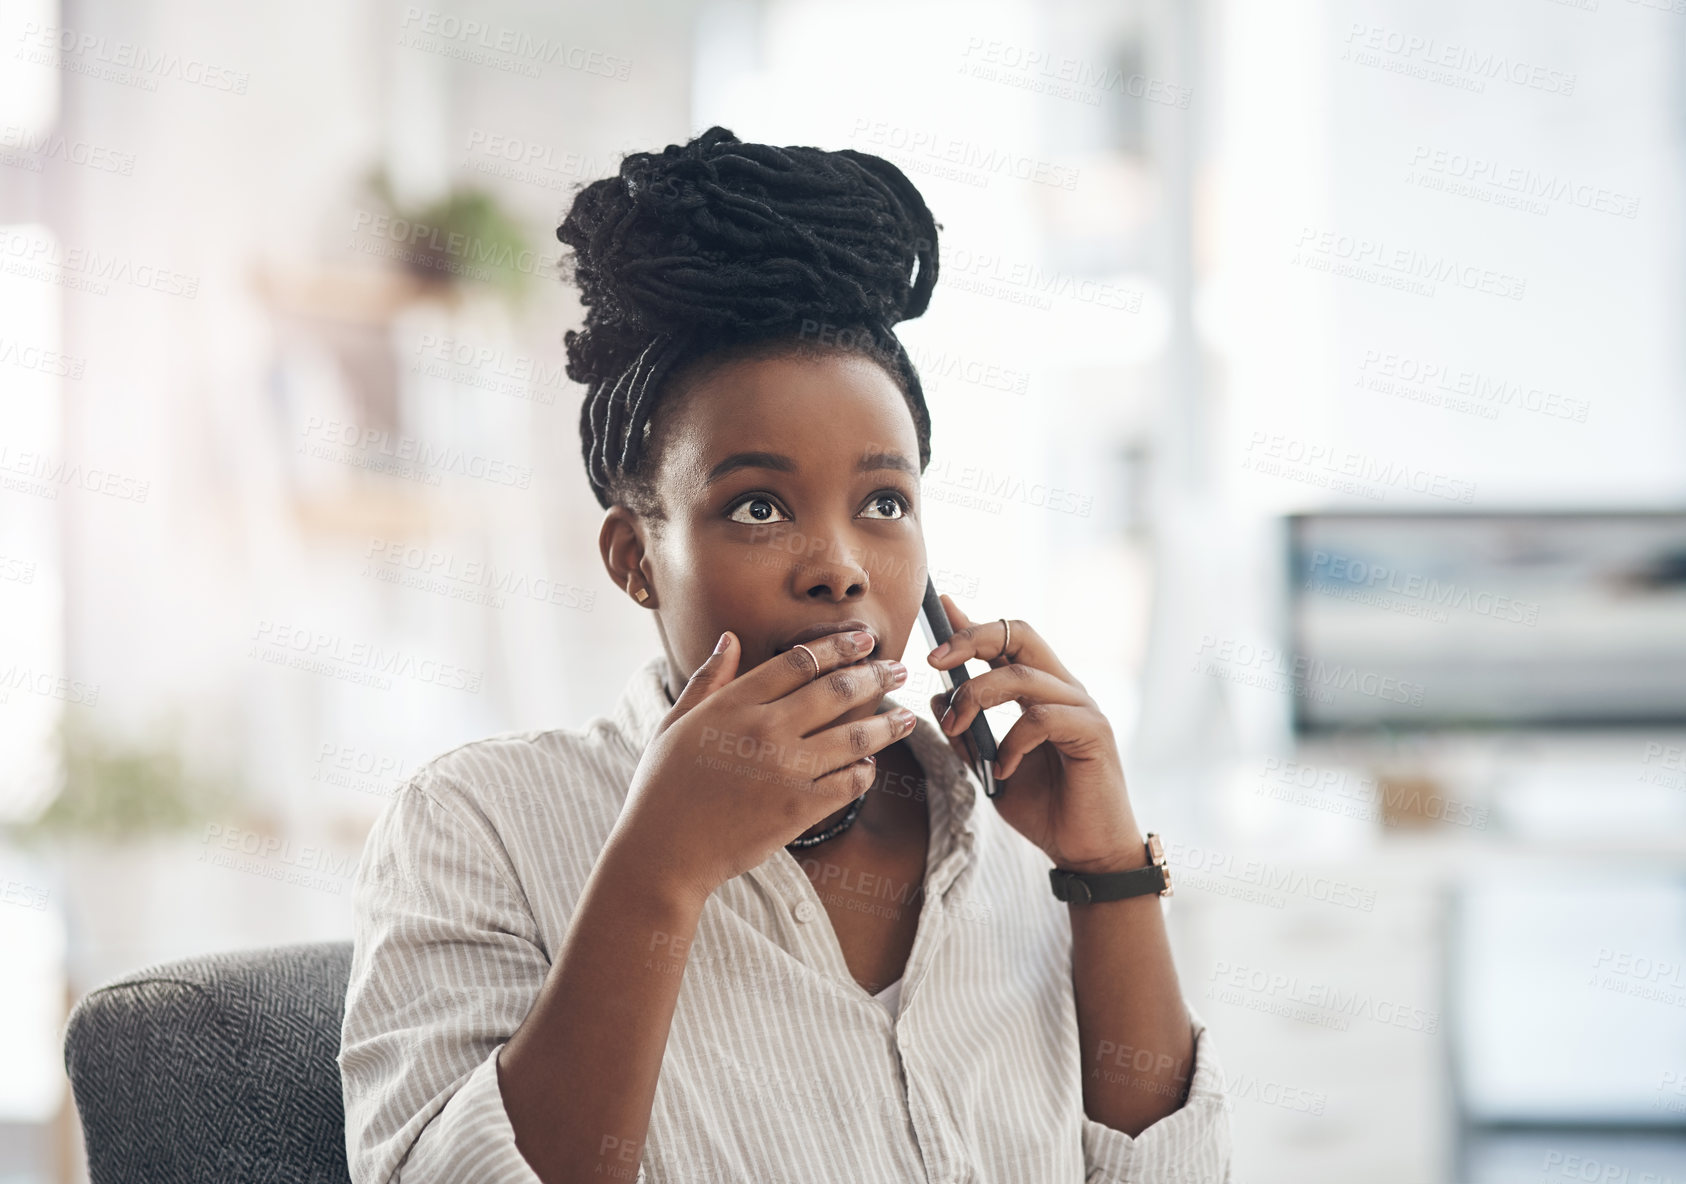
(934, 621)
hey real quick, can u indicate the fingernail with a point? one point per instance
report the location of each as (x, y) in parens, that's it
(720, 646)
(898, 672)
(937, 654)
(903, 720)
(862, 639)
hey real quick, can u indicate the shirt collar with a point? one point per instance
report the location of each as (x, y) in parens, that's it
(950, 785)
(643, 705)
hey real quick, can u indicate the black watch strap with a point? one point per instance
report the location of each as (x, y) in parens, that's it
(1094, 887)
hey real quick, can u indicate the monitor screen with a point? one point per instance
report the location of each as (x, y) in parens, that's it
(1513, 619)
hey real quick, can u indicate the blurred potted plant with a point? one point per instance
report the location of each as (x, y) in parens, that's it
(125, 812)
(466, 235)
(115, 791)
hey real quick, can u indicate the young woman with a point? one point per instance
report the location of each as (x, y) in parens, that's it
(754, 923)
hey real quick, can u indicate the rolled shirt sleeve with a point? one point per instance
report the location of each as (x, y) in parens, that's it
(446, 964)
(1188, 1146)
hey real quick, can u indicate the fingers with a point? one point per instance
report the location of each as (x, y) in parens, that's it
(809, 708)
(847, 783)
(858, 740)
(1071, 729)
(718, 669)
(987, 641)
(1013, 683)
(961, 745)
(780, 675)
(956, 618)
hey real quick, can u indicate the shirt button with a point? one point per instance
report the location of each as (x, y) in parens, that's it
(805, 911)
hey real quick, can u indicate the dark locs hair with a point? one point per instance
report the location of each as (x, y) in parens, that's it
(717, 246)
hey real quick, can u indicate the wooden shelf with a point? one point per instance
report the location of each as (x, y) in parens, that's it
(346, 294)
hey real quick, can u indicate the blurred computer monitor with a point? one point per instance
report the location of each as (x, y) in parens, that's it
(1519, 619)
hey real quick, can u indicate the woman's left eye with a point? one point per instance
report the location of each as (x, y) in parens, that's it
(895, 500)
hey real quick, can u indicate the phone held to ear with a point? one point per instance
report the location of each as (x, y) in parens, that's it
(934, 621)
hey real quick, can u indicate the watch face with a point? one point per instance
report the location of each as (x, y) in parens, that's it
(1155, 849)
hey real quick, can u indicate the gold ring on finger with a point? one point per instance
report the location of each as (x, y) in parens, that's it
(810, 653)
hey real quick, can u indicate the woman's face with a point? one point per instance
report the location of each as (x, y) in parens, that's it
(791, 486)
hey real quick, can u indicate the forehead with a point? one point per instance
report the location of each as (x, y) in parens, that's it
(823, 412)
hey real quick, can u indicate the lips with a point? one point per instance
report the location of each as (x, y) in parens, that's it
(825, 629)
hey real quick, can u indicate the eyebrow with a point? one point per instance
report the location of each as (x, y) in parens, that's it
(779, 462)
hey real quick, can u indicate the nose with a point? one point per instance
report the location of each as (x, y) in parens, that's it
(832, 570)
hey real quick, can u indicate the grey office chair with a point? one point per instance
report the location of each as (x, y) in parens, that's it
(219, 1069)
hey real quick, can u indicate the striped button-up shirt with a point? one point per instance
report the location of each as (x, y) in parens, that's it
(779, 1066)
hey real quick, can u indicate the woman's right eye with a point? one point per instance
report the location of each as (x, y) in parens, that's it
(760, 514)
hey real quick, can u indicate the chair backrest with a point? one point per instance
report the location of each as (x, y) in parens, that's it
(220, 1069)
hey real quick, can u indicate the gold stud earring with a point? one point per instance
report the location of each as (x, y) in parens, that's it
(641, 595)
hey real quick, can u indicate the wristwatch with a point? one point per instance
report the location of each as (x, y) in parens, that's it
(1089, 888)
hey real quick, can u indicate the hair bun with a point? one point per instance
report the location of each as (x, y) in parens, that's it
(732, 238)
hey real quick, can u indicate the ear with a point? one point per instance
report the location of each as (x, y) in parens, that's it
(621, 541)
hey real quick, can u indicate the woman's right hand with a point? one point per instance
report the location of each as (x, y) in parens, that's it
(740, 766)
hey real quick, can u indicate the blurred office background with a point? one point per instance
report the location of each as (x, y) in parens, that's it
(1309, 373)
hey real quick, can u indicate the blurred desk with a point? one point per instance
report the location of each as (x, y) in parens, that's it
(1359, 996)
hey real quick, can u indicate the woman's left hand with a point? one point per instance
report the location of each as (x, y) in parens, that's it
(1067, 782)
